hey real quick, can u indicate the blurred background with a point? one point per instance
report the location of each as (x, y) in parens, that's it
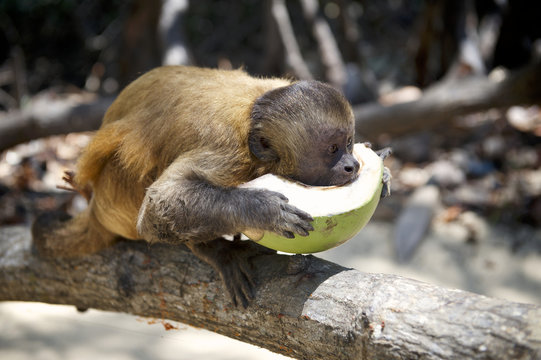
(453, 87)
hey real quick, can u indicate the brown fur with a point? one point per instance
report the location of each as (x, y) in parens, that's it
(138, 143)
(175, 144)
(187, 103)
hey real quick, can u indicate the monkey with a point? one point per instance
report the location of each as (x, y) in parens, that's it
(173, 147)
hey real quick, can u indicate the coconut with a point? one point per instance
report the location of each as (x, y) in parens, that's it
(339, 212)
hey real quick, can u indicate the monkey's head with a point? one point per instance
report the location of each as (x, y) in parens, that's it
(306, 132)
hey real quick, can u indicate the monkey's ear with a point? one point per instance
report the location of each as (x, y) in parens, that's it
(260, 146)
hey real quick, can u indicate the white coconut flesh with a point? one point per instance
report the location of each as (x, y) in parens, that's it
(339, 212)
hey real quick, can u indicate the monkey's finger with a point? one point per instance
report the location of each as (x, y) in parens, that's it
(279, 195)
(239, 284)
(246, 292)
(300, 223)
(244, 301)
(230, 290)
(299, 230)
(243, 290)
(239, 297)
(231, 286)
(246, 269)
(293, 223)
(287, 234)
(304, 229)
(247, 280)
(303, 215)
(298, 226)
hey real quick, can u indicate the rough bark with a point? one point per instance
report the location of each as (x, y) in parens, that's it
(305, 307)
(449, 99)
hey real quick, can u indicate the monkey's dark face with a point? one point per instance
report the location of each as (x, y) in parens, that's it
(330, 161)
(306, 132)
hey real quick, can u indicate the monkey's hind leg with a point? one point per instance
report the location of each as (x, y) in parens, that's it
(57, 234)
(231, 260)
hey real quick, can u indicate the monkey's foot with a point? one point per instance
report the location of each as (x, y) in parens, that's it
(231, 260)
(386, 179)
(384, 154)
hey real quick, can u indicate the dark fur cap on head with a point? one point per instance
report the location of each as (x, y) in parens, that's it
(309, 105)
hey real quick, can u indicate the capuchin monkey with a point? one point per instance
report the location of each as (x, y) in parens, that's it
(174, 146)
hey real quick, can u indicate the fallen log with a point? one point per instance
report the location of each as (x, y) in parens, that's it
(48, 114)
(305, 307)
(449, 99)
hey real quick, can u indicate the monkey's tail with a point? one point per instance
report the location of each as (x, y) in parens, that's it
(103, 146)
(57, 234)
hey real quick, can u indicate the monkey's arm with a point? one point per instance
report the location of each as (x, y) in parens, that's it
(188, 204)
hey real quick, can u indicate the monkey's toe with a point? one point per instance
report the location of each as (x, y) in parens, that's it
(384, 153)
(239, 284)
(386, 179)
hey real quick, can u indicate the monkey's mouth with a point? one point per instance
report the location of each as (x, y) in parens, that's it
(350, 180)
(342, 182)
(333, 183)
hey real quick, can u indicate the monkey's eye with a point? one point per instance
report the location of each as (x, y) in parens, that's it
(350, 143)
(333, 148)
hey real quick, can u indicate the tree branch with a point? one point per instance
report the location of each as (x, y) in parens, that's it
(171, 33)
(447, 100)
(305, 307)
(331, 57)
(293, 53)
(49, 115)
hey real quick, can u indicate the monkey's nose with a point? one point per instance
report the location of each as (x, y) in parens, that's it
(352, 167)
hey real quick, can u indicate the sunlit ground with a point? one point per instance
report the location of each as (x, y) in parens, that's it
(35, 331)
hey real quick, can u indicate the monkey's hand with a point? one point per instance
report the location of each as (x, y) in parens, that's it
(275, 214)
